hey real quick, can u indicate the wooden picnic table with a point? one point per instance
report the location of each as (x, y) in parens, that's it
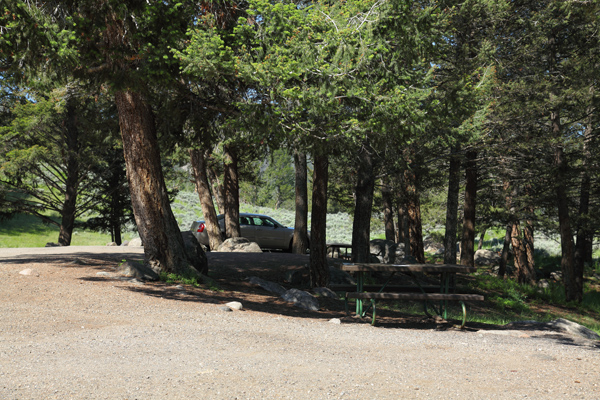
(446, 272)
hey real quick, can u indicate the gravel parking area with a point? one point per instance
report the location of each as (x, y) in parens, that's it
(70, 329)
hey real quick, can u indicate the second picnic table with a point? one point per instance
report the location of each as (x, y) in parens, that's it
(446, 271)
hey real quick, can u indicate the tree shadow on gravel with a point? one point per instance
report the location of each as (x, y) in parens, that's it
(82, 259)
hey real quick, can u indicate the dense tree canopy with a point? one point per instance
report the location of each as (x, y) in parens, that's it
(495, 101)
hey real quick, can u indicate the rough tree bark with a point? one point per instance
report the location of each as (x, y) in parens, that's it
(452, 209)
(232, 194)
(365, 186)
(69, 206)
(217, 186)
(319, 269)
(584, 233)
(524, 272)
(300, 241)
(467, 248)
(163, 244)
(211, 223)
(572, 276)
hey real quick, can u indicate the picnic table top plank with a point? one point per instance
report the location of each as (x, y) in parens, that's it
(415, 296)
(431, 268)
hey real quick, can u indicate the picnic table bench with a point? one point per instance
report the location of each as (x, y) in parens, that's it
(438, 293)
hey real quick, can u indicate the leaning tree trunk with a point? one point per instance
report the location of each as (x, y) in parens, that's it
(69, 206)
(232, 194)
(452, 209)
(361, 227)
(528, 241)
(467, 248)
(218, 189)
(300, 242)
(163, 244)
(388, 211)
(212, 227)
(319, 269)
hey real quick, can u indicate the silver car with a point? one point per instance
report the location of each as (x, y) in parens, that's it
(262, 229)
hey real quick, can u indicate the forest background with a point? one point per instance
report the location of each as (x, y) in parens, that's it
(483, 112)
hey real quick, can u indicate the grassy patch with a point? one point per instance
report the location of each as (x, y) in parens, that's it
(175, 279)
(29, 231)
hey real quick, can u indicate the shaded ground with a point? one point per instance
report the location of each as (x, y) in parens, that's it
(231, 272)
(73, 329)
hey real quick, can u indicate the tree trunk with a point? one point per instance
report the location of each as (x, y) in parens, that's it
(402, 233)
(528, 241)
(301, 243)
(505, 250)
(319, 269)
(69, 206)
(524, 274)
(584, 231)
(481, 239)
(388, 211)
(361, 226)
(213, 229)
(467, 253)
(217, 189)
(572, 276)
(452, 210)
(232, 194)
(163, 244)
(414, 216)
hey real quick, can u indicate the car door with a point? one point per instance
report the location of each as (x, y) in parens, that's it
(265, 231)
(247, 229)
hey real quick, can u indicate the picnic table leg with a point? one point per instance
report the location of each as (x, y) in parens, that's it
(445, 289)
(359, 289)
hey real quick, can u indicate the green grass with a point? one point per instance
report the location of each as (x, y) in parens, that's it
(29, 231)
(508, 301)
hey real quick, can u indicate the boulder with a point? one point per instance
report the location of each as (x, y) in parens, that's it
(400, 253)
(137, 242)
(339, 277)
(195, 252)
(239, 245)
(268, 286)
(384, 250)
(325, 292)
(301, 299)
(433, 248)
(486, 257)
(137, 271)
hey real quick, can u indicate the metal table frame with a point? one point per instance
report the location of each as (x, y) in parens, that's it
(446, 271)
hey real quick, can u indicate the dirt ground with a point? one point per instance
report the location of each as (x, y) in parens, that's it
(70, 328)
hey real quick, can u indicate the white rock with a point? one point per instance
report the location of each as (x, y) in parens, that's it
(29, 271)
(234, 305)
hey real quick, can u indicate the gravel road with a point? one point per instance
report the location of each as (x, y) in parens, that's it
(71, 330)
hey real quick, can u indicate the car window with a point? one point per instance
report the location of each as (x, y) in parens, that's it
(267, 222)
(244, 221)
